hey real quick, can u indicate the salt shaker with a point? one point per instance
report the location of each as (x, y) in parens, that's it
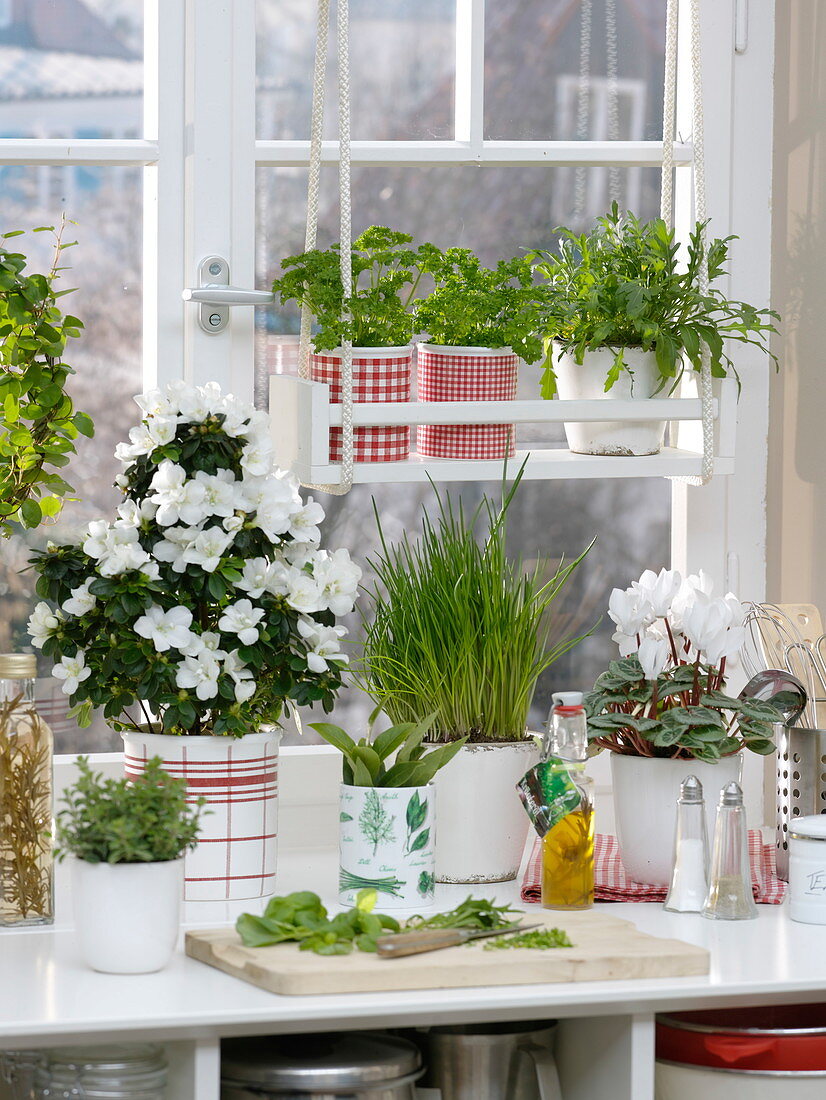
(689, 878)
(730, 895)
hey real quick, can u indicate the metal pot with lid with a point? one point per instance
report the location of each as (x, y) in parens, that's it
(347, 1066)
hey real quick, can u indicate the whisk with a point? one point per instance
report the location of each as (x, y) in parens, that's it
(773, 641)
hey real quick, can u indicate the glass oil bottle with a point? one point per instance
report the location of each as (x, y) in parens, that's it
(568, 845)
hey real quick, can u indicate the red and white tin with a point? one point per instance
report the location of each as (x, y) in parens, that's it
(379, 374)
(238, 777)
(466, 374)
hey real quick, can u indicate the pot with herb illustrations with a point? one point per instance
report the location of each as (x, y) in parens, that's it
(387, 843)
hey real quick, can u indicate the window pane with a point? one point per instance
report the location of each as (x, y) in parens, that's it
(71, 68)
(401, 65)
(535, 84)
(105, 267)
(497, 212)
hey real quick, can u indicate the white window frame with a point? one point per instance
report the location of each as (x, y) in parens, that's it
(200, 155)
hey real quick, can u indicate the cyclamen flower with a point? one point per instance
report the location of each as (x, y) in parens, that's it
(241, 618)
(207, 548)
(630, 610)
(200, 673)
(339, 579)
(72, 671)
(323, 644)
(627, 643)
(80, 601)
(166, 629)
(659, 589)
(43, 623)
(176, 498)
(653, 656)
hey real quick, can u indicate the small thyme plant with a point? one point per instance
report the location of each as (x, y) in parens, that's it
(622, 285)
(142, 820)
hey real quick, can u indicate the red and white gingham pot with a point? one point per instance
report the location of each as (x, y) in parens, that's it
(379, 374)
(466, 374)
(238, 777)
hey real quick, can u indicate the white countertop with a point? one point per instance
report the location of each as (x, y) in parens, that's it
(47, 994)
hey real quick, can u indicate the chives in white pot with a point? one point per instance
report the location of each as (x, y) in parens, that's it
(458, 638)
(387, 814)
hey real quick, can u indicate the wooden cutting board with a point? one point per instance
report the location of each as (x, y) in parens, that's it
(605, 947)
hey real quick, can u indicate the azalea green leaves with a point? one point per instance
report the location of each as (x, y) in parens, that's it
(38, 424)
(365, 762)
(623, 284)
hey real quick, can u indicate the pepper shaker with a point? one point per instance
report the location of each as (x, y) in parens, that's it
(730, 895)
(689, 878)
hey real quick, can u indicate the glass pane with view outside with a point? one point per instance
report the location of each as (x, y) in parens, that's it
(498, 212)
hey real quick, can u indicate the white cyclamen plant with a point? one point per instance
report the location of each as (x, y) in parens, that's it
(666, 695)
(207, 606)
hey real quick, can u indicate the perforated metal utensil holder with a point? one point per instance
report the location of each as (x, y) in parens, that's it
(801, 783)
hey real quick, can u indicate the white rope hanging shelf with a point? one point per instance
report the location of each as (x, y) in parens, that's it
(303, 414)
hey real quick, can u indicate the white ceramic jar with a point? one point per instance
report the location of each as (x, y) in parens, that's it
(807, 869)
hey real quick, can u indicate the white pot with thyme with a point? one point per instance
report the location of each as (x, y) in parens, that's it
(387, 828)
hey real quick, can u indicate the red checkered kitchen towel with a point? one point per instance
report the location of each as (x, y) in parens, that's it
(613, 884)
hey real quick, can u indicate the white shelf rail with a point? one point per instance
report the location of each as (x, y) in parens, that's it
(302, 414)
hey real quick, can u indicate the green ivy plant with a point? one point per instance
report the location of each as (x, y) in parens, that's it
(365, 761)
(141, 820)
(623, 285)
(385, 278)
(476, 306)
(38, 424)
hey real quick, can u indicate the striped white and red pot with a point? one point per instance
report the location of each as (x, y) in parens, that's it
(466, 374)
(238, 777)
(379, 374)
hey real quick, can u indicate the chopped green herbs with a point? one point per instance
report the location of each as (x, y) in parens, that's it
(539, 939)
(475, 913)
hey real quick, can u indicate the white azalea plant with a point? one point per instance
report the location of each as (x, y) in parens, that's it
(666, 695)
(207, 606)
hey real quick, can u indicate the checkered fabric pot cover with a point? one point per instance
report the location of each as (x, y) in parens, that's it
(379, 374)
(465, 374)
(238, 777)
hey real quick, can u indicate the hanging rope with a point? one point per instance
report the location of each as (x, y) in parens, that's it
(611, 71)
(345, 228)
(667, 197)
(583, 102)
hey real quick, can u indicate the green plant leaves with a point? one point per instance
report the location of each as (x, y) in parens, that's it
(416, 812)
(420, 841)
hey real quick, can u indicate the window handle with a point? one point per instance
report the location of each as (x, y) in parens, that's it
(214, 295)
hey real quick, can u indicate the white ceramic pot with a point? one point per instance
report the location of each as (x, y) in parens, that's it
(127, 915)
(646, 790)
(482, 823)
(586, 381)
(238, 777)
(807, 869)
(387, 839)
(672, 1082)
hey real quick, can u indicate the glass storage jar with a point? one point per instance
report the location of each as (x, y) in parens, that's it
(26, 841)
(102, 1073)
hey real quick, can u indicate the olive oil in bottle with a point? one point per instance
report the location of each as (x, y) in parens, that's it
(568, 845)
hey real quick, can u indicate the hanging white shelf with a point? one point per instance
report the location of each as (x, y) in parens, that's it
(301, 416)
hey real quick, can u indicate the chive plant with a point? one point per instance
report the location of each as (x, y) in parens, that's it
(459, 630)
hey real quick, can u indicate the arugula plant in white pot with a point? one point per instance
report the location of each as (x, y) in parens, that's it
(199, 617)
(387, 816)
(625, 319)
(458, 636)
(663, 712)
(127, 840)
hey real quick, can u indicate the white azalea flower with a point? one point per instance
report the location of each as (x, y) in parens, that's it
(80, 601)
(166, 629)
(219, 492)
(300, 554)
(241, 618)
(200, 673)
(126, 453)
(141, 441)
(197, 404)
(242, 678)
(304, 592)
(274, 500)
(207, 548)
(121, 480)
(172, 547)
(177, 499)
(281, 579)
(339, 579)
(161, 429)
(72, 671)
(207, 642)
(95, 544)
(255, 576)
(323, 644)
(257, 458)
(304, 523)
(43, 623)
(151, 570)
(157, 403)
(652, 655)
(129, 514)
(233, 523)
(236, 416)
(123, 558)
